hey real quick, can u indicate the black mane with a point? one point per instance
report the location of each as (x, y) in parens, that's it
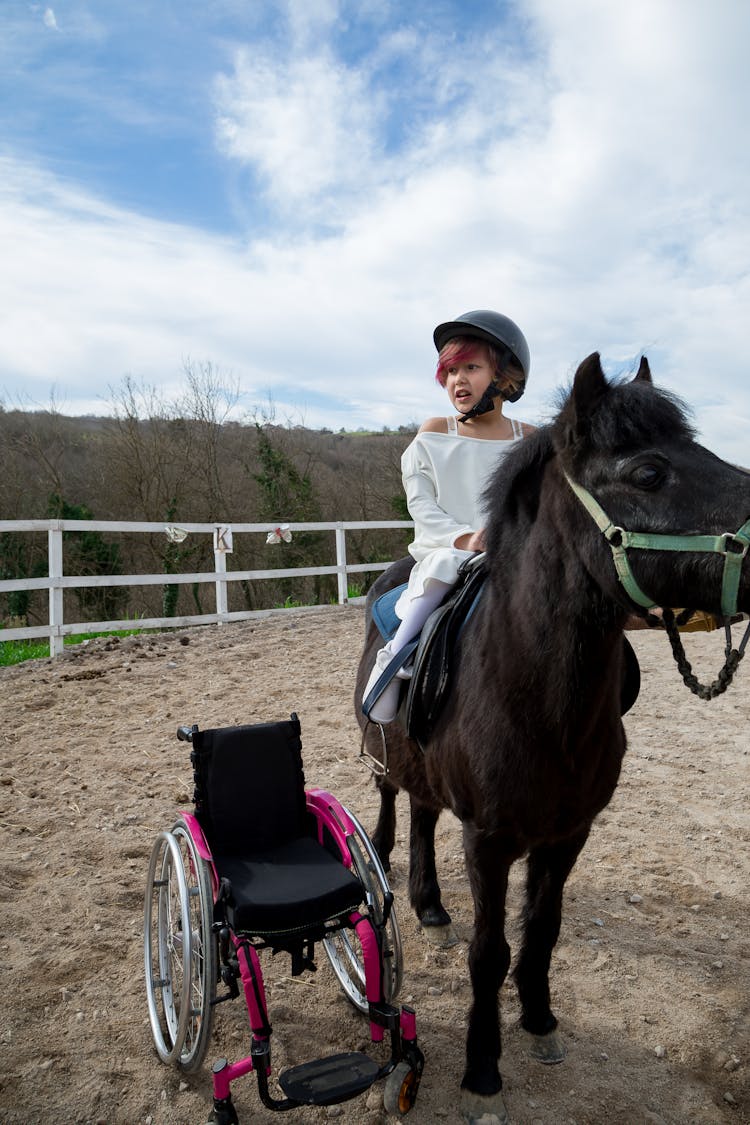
(512, 494)
(628, 415)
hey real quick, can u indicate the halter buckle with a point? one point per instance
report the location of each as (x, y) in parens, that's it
(733, 545)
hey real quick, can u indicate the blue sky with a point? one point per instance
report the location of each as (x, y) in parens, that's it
(296, 191)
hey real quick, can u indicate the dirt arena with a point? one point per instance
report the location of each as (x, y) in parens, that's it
(651, 977)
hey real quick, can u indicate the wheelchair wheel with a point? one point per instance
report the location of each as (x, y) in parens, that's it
(180, 949)
(343, 947)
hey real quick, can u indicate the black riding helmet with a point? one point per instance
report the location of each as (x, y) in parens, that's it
(495, 329)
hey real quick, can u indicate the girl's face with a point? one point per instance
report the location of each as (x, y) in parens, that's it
(468, 378)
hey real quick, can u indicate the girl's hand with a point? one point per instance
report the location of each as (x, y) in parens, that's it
(471, 541)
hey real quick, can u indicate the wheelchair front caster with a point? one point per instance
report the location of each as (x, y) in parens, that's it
(401, 1088)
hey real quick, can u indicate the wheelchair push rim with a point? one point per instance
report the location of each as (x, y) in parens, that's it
(342, 947)
(179, 949)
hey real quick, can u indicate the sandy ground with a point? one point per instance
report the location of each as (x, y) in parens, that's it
(651, 977)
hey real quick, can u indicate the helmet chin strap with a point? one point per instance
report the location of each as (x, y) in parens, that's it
(484, 405)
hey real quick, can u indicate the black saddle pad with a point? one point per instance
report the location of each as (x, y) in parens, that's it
(438, 651)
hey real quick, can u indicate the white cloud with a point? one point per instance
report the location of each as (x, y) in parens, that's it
(92, 292)
(590, 185)
(308, 125)
(49, 19)
(308, 20)
(323, 133)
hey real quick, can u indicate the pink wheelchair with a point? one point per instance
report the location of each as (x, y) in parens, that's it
(264, 864)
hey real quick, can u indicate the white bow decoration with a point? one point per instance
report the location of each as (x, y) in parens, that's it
(279, 534)
(176, 534)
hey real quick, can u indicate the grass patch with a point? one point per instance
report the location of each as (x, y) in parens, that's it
(16, 652)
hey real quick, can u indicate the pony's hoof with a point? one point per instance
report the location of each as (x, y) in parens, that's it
(481, 1109)
(548, 1048)
(442, 937)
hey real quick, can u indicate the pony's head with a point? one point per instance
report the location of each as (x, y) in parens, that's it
(615, 417)
(632, 448)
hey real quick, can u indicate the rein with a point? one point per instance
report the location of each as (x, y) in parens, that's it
(732, 545)
(733, 656)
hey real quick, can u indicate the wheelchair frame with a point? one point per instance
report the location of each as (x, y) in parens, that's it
(189, 947)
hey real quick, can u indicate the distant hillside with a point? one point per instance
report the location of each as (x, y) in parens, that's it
(168, 468)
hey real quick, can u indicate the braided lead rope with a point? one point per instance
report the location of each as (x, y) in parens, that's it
(726, 673)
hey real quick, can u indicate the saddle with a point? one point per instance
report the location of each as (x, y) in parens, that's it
(436, 650)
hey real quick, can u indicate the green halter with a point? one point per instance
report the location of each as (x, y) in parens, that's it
(732, 545)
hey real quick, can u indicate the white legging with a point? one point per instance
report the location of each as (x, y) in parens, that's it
(417, 612)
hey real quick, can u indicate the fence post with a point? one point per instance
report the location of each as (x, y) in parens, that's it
(220, 564)
(55, 570)
(222, 547)
(341, 564)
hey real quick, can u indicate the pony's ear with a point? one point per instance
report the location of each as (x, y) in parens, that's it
(574, 421)
(644, 371)
(589, 385)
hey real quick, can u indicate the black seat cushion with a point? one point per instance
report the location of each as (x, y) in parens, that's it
(290, 888)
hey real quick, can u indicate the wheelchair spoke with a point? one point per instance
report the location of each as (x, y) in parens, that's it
(352, 958)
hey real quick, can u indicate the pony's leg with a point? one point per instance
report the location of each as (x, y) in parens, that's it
(547, 870)
(424, 889)
(384, 836)
(489, 958)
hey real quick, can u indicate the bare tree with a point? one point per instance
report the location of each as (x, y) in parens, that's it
(150, 452)
(208, 403)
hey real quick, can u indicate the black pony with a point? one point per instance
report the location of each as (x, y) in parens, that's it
(529, 747)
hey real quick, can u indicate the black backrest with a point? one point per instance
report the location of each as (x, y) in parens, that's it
(250, 786)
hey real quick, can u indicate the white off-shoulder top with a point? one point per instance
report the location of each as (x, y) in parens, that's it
(444, 477)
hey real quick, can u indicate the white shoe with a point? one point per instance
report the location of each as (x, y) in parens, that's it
(384, 710)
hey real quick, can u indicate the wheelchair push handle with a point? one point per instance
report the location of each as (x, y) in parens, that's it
(185, 734)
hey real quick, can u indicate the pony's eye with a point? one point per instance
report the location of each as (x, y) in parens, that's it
(647, 475)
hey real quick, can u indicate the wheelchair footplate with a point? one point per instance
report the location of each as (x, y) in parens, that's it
(330, 1080)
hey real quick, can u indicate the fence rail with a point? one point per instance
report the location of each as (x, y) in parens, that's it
(222, 535)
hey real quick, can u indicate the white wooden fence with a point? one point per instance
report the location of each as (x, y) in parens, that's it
(57, 581)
